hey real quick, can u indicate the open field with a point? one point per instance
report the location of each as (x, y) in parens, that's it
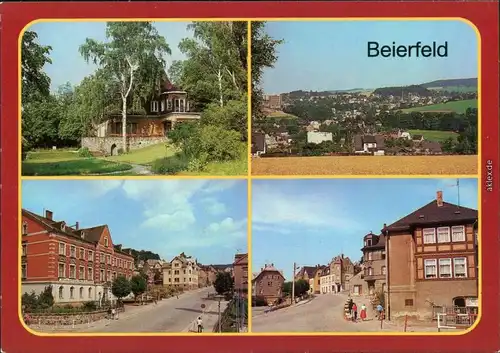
(450, 107)
(281, 115)
(434, 135)
(460, 89)
(366, 165)
(146, 155)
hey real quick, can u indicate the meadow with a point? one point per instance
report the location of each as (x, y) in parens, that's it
(434, 135)
(366, 165)
(450, 107)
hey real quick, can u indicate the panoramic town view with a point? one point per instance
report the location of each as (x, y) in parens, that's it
(376, 255)
(134, 256)
(135, 98)
(348, 110)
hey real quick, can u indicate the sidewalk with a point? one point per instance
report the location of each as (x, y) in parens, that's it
(209, 317)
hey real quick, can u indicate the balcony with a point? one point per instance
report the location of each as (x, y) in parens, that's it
(62, 258)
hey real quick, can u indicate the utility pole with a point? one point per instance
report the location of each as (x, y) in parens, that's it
(293, 283)
(220, 323)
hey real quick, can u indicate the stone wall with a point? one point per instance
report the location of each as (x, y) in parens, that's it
(111, 145)
(66, 319)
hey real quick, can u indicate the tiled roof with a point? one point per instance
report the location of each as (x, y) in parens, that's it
(434, 214)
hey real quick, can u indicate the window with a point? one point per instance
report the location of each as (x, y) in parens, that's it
(113, 261)
(24, 271)
(108, 276)
(102, 258)
(62, 270)
(72, 271)
(444, 268)
(108, 259)
(81, 292)
(458, 233)
(90, 274)
(91, 256)
(114, 276)
(25, 228)
(102, 278)
(383, 255)
(81, 275)
(82, 254)
(269, 283)
(370, 256)
(408, 302)
(72, 251)
(106, 241)
(460, 267)
(370, 271)
(61, 292)
(162, 105)
(443, 235)
(72, 293)
(430, 268)
(154, 106)
(25, 250)
(169, 104)
(429, 235)
(90, 293)
(62, 249)
(383, 270)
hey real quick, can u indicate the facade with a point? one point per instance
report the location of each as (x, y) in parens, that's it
(79, 264)
(358, 286)
(206, 275)
(317, 137)
(374, 261)
(258, 143)
(432, 259)
(336, 276)
(273, 101)
(169, 106)
(370, 144)
(181, 272)
(240, 271)
(315, 282)
(269, 283)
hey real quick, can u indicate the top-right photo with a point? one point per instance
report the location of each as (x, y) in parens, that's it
(366, 97)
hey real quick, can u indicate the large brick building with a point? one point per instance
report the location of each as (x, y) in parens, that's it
(79, 264)
(432, 259)
(374, 263)
(269, 283)
(240, 271)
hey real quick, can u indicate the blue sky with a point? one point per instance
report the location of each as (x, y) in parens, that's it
(205, 219)
(333, 55)
(66, 37)
(310, 221)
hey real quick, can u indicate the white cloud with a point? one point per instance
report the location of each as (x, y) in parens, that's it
(270, 229)
(214, 207)
(273, 207)
(101, 187)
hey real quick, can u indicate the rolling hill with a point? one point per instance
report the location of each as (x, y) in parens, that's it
(454, 106)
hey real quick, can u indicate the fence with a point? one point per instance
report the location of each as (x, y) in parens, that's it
(455, 321)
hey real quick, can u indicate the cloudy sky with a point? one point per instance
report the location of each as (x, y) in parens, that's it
(205, 219)
(311, 221)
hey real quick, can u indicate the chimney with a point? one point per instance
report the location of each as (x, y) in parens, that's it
(48, 214)
(77, 225)
(439, 198)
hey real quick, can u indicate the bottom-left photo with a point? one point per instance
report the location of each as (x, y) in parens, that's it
(111, 256)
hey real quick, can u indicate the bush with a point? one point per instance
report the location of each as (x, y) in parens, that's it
(170, 165)
(259, 301)
(84, 153)
(43, 301)
(219, 144)
(89, 306)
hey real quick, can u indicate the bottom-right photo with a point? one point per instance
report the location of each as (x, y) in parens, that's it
(365, 255)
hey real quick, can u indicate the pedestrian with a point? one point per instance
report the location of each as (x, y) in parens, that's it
(354, 312)
(363, 312)
(380, 310)
(113, 314)
(200, 324)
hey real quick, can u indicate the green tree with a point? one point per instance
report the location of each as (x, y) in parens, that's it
(121, 287)
(232, 116)
(287, 288)
(138, 285)
(223, 283)
(132, 56)
(46, 299)
(301, 287)
(34, 56)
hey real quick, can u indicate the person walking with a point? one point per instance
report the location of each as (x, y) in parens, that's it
(380, 310)
(363, 312)
(354, 312)
(199, 323)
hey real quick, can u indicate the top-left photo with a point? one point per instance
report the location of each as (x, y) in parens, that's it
(134, 98)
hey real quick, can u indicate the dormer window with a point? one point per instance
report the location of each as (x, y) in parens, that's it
(82, 235)
(25, 228)
(63, 226)
(106, 243)
(154, 106)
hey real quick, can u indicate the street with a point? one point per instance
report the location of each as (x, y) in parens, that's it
(322, 314)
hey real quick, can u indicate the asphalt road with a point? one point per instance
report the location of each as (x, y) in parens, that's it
(169, 315)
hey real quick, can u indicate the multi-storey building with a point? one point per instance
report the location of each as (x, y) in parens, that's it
(182, 272)
(374, 263)
(269, 283)
(240, 271)
(79, 264)
(336, 276)
(432, 259)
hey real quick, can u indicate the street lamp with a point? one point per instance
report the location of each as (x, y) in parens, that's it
(219, 298)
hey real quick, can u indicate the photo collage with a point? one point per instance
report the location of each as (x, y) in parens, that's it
(218, 177)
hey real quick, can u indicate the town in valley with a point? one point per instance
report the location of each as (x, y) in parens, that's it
(86, 276)
(365, 262)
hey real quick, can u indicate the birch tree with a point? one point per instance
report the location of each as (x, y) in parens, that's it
(130, 48)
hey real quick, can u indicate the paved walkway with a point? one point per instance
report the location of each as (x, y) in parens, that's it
(325, 314)
(168, 315)
(209, 317)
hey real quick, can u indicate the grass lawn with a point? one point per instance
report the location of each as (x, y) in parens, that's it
(434, 135)
(54, 162)
(456, 106)
(236, 167)
(146, 155)
(281, 115)
(460, 89)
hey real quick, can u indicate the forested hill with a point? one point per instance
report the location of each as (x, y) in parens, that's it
(398, 91)
(467, 82)
(144, 255)
(303, 94)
